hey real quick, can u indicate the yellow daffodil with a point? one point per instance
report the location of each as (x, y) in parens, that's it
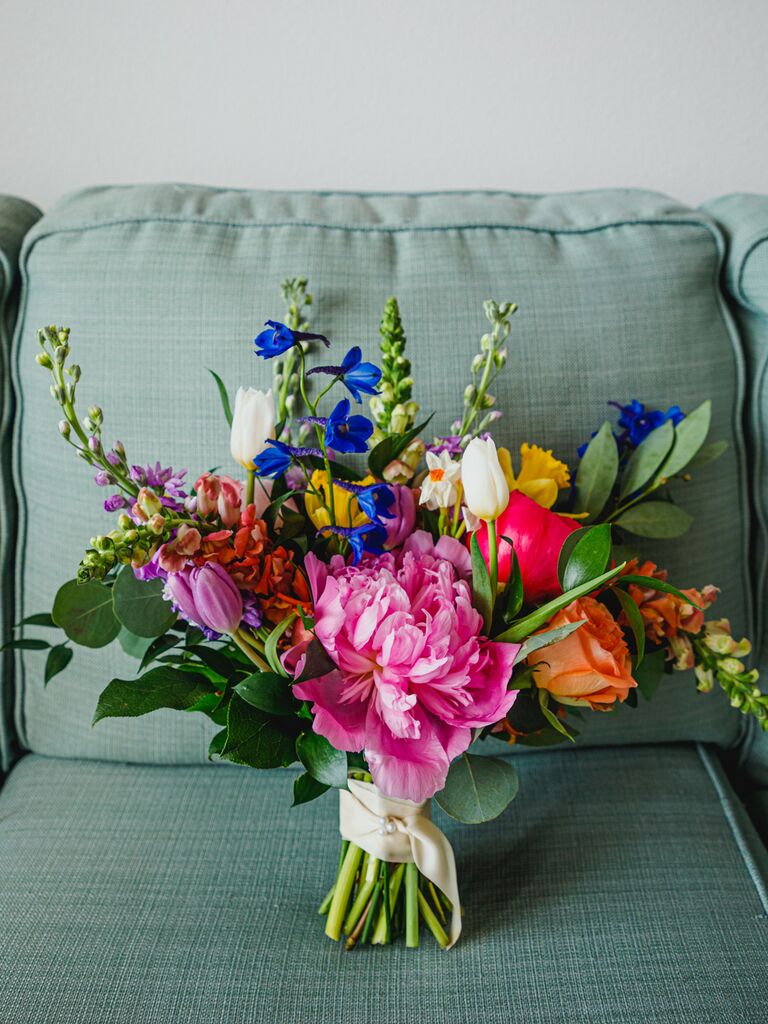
(345, 504)
(541, 475)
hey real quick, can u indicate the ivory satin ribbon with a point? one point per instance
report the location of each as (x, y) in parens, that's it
(365, 813)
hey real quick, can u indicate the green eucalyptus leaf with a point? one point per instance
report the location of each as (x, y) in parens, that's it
(596, 475)
(161, 688)
(140, 606)
(26, 644)
(255, 738)
(268, 692)
(478, 789)
(482, 597)
(589, 555)
(58, 659)
(658, 519)
(135, 646)
(306, 788)
(86, 614)
(393, 445)
(223, 396)
(690, 435)
(635, 620)
(39, 619)
(646, 459)
(523, 628)
(552, 636)
(324, 763)
(708, 453)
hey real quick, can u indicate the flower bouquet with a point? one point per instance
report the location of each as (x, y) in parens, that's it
(380, 609)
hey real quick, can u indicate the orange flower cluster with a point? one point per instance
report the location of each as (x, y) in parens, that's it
(668, 618)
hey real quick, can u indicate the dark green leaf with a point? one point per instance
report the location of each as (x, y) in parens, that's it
(157, 647)
(322, 761)
(268, 692)
(478, 789)
(272, 511)
(255, 739)
(569, 544)
(658, 519)
(482, 598)
(552, 636)
(597, 472)
(649, 674)
(635, 620)
(545, 738)
(589, 556)
(216, 745)
(85, 613)
(139, 605)
(551, 717)
(392, 446)
(306, 788)
(316, 663)
(651, 583)
(523, 628)
(58, 659)
(215, 660)
(223, 396)
(646, 459)
(40, 619)
(270, 647)
(690, 435)
(512, 596)
(160, 688)
(135, 646)
(26, 645)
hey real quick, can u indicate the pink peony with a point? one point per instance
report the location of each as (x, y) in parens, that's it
(403, 512)
(415, 676)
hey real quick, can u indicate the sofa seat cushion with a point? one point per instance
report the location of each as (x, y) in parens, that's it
(618, 299)
(624, 885)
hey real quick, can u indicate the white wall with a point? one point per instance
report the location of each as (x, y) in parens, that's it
(397, 94)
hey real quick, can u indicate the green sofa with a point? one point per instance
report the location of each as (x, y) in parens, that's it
(141, 884)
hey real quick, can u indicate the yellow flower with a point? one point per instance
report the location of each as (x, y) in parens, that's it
(541, 474)
(345, 504)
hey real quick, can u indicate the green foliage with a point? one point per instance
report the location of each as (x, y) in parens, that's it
(646, 459)
(552, 636)
(255, 738)
(392, 409)
(223, 396)
(658, 519)
(58, 659)
(635, 620)
(306, 788)
(26, 644)
(161, 688)
(708, 453)
(134, 646)
(140, 606)
(690, 435)
(270, 646)
(86, 614)
(390, 448)
(597, 472)
(587, 557)
(268, 692)
(551, 717)
(478, 789)
(323, 762)
(482, 598)
(512, 597)
(651, 583)
(650, 672)
(40, 619)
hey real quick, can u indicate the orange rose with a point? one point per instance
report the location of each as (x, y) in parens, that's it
(592, 666)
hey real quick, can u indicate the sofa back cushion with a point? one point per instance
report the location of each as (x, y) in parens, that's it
(16, 217)
(744, 220)
(618, 299)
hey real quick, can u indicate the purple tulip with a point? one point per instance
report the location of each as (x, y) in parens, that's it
(403, 520)
(206, 596)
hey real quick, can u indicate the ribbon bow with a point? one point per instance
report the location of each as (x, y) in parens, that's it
(400, 831)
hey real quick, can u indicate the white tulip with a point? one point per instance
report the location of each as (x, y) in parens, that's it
(486, 491)
(253, 424)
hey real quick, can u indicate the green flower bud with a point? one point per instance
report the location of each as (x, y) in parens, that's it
(130, 536)
(58, 393)
(60, 353)
(95, 414)
(124, 521)
(64, 428)
(74, 372)
(88, 424)
(732, 666)
(43, 359)
(156, 524)
(470, 393)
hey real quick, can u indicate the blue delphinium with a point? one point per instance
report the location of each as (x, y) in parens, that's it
(359, 378)
(637, 422)
(276, 459)
(370, 538)
(278, 338)
(375, 500)
(345, 433)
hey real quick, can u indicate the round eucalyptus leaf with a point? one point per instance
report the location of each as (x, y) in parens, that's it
(140, 606)
(86, 614)
(478, 788)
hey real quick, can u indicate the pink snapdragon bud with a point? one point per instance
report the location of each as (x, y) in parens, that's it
(219, 494)
(206, 596)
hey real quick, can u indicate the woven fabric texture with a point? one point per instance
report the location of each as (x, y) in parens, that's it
(622, 886)
(16, 218)
(744, 220)
(618, 299)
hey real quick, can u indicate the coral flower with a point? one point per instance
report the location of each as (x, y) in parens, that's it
(414, 676)
(592, 666)
(281, 586)
(667, 615)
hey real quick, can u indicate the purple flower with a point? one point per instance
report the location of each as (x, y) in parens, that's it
(113, 458)
(103, 478)
(116, 502)
(403, 516)
(206, 596)
(451, 444)
(151, 570)
(252, 614)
